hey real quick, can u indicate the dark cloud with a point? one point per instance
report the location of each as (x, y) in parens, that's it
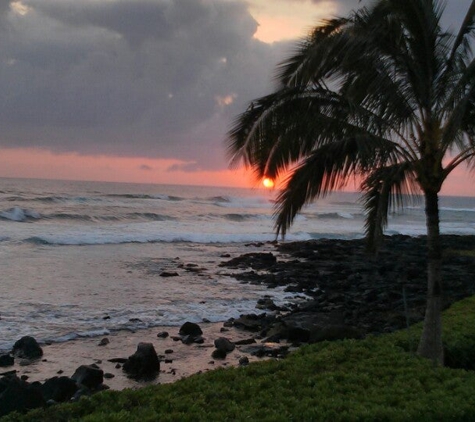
(130, 77)
(145, 167)
(4, 9)
(149, 78)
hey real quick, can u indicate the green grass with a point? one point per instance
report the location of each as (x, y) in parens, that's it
(354, 380)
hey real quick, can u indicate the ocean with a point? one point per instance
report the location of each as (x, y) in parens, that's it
(83, 259)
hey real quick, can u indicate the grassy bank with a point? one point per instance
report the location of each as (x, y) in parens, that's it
(372, 379)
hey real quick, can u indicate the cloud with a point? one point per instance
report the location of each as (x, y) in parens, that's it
(150, 78)
(145, 167)
(143, 78)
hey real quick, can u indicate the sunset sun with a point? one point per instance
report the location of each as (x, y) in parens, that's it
(268, 183)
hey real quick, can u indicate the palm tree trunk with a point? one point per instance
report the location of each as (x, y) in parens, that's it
(430, 345)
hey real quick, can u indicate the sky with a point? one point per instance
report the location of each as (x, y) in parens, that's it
(145, 90)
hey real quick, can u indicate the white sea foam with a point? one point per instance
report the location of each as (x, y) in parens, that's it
(86, 323)
(19, 214)
(453, 209)
(118, 238)
(238, 202)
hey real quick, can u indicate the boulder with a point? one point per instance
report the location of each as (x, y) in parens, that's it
(243, 361)
(192, 339)
(245, 341)
(27, 348)
(117, 360)
(190, 329)
(222, 343)
(255, 260)
(144, 363)
(59, 389)
(90, 376)
(6, 360)
(266, 303)
(169, 274)
(86, 392)
(218, 354)
(104, 342)
(334, 332)
(312, 327)
(298, 334)
(18, 395)
(269, 350)
(249, 322)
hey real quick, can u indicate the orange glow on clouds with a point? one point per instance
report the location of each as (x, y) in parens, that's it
(283, 20)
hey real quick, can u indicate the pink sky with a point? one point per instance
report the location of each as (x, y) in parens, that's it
(34, 163)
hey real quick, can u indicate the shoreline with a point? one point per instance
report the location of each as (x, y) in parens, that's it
(343, 283)
(177, 360)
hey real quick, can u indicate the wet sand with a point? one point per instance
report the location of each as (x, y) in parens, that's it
(62, 359)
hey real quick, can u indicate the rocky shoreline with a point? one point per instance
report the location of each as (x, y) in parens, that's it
(349, 294)
(372, 293)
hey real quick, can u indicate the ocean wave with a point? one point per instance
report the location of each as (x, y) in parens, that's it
(117, 238)
(77, 335)
(55, 199)
(442, 209)
(344, 203)
(219, 199)
(37, 240)
(19, 214)
(52, 199)
(149, 216)
(331, 235)
(335, 216)
(240, 217)
(143, 216)
(146, 196)
(238, 202)
(14, 199)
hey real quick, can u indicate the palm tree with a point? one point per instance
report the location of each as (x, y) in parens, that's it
(384, 96)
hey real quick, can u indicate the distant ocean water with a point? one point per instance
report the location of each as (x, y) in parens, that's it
(80, 259)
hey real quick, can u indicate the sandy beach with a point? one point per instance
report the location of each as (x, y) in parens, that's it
(178, 360)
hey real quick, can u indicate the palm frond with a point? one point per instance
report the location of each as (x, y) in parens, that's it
(307, 63)
(279, 130)
(386, 189)
(461, 46)
(326, 169)
(459, 120)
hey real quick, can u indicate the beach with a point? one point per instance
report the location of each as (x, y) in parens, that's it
(345, 293)
(178, 360)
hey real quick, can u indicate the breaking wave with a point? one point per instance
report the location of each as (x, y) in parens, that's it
(19, 214)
